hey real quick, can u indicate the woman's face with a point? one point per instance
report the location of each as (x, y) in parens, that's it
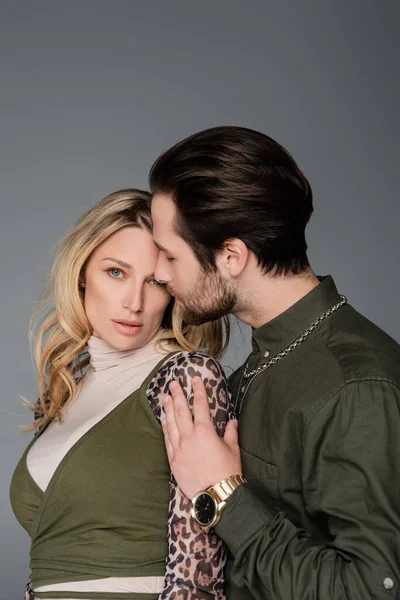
(123, 302)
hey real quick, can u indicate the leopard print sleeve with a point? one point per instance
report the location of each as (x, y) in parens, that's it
(29, 595)
(196, 560)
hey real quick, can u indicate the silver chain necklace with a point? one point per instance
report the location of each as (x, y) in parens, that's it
(248, 377)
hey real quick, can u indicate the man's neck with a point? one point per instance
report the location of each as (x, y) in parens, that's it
(266, 297)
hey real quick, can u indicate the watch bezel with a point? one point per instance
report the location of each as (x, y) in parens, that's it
(217, 515)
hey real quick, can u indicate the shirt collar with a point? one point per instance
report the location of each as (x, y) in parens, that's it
(281, 331)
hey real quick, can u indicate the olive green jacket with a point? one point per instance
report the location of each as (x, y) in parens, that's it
(319, 518)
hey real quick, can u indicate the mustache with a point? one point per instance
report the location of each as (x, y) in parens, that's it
(171, 291)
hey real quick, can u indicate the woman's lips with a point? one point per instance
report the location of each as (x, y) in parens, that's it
(127, 328)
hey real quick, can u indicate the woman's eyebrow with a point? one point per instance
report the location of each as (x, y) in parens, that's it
(120, 262)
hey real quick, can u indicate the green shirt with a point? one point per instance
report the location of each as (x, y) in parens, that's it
(319, 431)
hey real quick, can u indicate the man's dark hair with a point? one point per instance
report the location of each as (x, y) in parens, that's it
(233, 182)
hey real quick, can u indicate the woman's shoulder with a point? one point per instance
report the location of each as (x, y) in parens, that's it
(183, 364)
(182, 367)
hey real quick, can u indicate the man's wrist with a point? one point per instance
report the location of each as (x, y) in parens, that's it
(245, 514)
(224, 488)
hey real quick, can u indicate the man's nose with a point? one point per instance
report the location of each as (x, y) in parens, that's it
(161, 272)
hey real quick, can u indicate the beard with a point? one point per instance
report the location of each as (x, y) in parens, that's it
(212, 298)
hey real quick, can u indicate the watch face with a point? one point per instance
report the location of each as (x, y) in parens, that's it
(205, 508)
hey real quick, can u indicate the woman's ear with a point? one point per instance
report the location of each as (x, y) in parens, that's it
(233, 257)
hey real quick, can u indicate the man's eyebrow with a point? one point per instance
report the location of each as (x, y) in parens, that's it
(160, 247)
(120, 262)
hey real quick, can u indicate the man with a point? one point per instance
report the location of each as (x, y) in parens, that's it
(316, 513)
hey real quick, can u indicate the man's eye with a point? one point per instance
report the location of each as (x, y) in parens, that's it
(115, 273)
(157, 283)
(169, 258)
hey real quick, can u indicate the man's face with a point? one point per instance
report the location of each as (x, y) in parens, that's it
(202, 295)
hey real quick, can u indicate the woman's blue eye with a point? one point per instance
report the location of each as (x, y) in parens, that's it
(157, 283)
(115, 272)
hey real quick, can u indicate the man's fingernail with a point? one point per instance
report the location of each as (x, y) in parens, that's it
(173, 385)
(196, 379)
(165, 399)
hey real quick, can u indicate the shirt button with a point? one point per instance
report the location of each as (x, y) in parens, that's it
(266, 354)
(388, 583)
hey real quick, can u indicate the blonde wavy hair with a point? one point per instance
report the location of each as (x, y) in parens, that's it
(60, 328)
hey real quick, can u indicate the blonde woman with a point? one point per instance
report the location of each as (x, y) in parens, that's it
(93, 489)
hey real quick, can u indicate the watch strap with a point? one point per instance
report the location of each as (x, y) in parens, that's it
(224, 488)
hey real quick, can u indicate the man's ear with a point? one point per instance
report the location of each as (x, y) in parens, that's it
(233, 257)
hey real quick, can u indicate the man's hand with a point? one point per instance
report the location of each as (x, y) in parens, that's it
(197, 455)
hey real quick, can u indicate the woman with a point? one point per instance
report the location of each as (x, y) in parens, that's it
(94, 486)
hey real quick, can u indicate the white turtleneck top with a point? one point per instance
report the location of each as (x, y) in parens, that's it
(111, 377)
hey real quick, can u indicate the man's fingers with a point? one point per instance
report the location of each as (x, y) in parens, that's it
(169, 422)
(183, 416)
(168, 446)
(231, 434)
(201, 409)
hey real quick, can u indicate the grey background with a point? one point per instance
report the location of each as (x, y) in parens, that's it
(92, 91)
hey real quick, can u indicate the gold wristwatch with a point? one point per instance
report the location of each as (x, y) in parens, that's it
(207, 505)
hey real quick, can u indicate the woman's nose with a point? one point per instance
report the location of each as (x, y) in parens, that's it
(134, 299)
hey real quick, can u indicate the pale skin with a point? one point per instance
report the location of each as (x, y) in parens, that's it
(198, 456)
